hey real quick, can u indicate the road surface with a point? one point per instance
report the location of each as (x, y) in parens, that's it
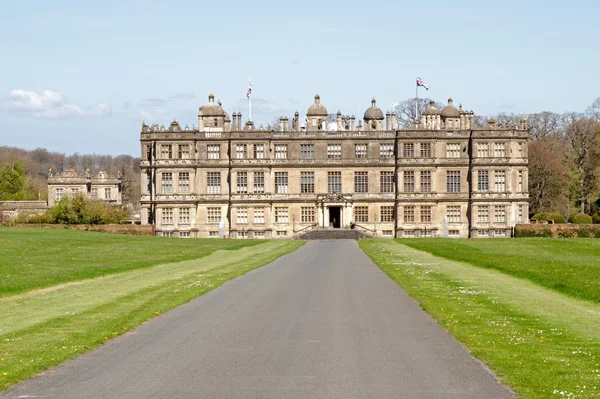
(322, 322)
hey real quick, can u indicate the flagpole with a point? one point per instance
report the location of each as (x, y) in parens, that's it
(416, 101)
(250, 102)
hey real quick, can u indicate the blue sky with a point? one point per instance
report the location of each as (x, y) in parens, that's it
(81, 76)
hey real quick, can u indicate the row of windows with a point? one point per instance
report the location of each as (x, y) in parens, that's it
(307, 182)
(483, 180)
(410, 214)
(59, 193)
(334, 151)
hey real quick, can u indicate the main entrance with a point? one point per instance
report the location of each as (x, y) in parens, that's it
(335, 217)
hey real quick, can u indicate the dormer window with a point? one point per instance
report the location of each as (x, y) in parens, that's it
(215, 122)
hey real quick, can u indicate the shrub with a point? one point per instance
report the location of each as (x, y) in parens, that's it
(580, 218)
(596, 218)
(547, 216)
(80, 210)
(531, 231)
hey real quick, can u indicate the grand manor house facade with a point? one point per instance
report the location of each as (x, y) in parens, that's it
(441, 177)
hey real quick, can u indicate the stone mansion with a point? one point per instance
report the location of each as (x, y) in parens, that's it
(442, 177)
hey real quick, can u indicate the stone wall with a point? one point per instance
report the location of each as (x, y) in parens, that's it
(557, 230)
(131, 229)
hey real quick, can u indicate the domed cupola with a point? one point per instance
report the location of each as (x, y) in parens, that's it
(316, 115)
(431, 109)
(373, 112)
(373, 117)
(450, 111)
(212, 115)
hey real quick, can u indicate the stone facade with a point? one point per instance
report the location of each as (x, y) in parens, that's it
(102, 186)
(11, 210)
(442, 177)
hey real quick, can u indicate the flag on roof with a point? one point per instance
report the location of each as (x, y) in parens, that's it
(420, 83)
(249, 93)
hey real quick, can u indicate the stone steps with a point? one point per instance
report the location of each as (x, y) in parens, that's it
(332, 234)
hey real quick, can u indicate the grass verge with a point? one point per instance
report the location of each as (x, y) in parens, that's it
(43, 328)
(37, 258)
(569, 265)
(542, 344)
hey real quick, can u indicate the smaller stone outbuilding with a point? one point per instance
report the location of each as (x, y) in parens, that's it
(101, 187)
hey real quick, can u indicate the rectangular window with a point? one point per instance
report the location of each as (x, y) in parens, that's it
(334, 151)
(94, 193)
(425, 181)
(184, 215)
(74, 191)
(213, 182)
(386, 182)
(408, 233)
(426, 214)
(259, 151)
(307, 182)
(499, 150)
(166, 151)
(184, 151)
(453, 181)
(280, 151)
(386, 150)
(453, 150)
(483, 214)
(453, 214)
(184, 183)
(307, 151)
(425, 150)
(483, 181)
(241, 235)
(259, 216)
(213, 215)
(408, 150)
(283, 233)
(334, 182)
(166, 183)
(148, 152)
(259, 234)
(281, 182)
(453, 233)
(360, 150)
(214, 151)
(307, 214)
(521, 214)
(167, 215)
(520, 181)
(483, 150)
(259, 182)
(387, 233)
(409, 181)
(482, 233)
(361, 182)
(213, 234)
(107, 194)
(500, 181)
(241, 215)
(241, 151)
(58, 194)
(361, 214)
(386, 214)
(409, 214)
(242, 182)
(148, 181)
(499, 214)
(184, 234)
(281, 215)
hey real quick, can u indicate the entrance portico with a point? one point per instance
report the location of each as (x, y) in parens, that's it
(334, 210)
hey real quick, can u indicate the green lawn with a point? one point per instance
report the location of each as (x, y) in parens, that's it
(568, 265)
(542, 343)
(42, 328)
(36, 258)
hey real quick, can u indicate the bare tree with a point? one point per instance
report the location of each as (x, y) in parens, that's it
(405, 111)
(544, 124)
(581, 135)
(548, 177)
(593, 111)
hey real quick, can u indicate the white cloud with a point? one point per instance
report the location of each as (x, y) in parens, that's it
(49, 104)
(183, 95)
